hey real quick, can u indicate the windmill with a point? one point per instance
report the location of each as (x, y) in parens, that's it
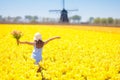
(64, 13)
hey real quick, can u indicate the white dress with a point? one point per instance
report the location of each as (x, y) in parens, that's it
(37, 54)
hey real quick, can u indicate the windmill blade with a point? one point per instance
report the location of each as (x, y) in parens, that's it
(63, 4)
(54, 10)
(73, 10)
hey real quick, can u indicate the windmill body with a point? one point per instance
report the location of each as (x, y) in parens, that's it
(64, 16)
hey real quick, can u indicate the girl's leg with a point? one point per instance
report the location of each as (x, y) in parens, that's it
(39, 69)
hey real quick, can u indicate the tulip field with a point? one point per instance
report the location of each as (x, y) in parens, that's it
(82, 53)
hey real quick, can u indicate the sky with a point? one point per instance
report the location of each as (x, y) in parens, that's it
(40, 8)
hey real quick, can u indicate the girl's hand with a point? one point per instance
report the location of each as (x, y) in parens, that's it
(18, 41)
(58, 37)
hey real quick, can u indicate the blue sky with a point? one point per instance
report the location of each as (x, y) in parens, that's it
(87, 8)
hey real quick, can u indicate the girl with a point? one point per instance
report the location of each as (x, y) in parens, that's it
(38, 46)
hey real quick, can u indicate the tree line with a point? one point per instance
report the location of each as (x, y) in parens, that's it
(105, 21)
(73, 19)
(98, 20)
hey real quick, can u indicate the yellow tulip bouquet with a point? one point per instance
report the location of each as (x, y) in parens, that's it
(17, 35)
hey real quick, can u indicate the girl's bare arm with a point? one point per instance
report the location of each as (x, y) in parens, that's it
(26, 42)
(57, 37)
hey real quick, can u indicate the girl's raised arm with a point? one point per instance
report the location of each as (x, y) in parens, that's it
(25, 42)
(57, 37)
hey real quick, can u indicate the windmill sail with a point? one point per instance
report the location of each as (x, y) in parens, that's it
(63, 4)
(54, 10)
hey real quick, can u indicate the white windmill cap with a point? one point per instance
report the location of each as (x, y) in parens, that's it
(37, 36)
